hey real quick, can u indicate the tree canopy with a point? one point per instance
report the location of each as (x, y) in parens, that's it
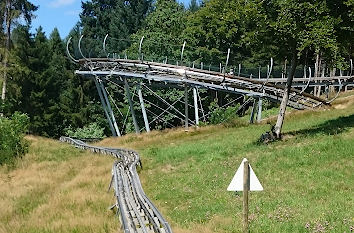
(39, 79)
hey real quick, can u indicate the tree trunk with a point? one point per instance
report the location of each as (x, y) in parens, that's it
(316, 71)
(322, 75)
(319, 75)
(7, 50)
(278, 126)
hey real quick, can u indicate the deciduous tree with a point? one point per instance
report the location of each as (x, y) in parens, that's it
(11, 11)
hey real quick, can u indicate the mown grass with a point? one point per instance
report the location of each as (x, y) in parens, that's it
(308, 178)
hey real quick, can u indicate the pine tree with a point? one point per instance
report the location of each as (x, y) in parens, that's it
(20, 85)
(56, 76)
(118, 18)
(193, 6)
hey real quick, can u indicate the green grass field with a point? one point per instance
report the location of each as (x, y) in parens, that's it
(307, 177)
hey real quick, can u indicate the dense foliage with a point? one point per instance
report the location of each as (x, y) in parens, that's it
(12, 142)
(91, 131)
(42, 84)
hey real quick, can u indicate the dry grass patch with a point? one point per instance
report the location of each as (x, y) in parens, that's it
(57, 188)
(164, 137)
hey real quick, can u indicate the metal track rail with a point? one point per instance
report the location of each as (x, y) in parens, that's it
(166, 73)
(136, 212)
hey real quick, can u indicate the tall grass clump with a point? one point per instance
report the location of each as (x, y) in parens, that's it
(12, 142)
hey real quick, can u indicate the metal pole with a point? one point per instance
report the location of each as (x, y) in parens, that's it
(259, 73)
(253, 110)
(140, 45)
(131, 105)
(141, 99)
(259, 114)
(246, 188)
(109, 108)
(327, 91)
(196, 106)
(184, 45)
(186, 105)
(105, 108)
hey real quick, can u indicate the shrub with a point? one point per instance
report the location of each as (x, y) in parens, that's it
(12, 142)
(91, 131)
(222, 115)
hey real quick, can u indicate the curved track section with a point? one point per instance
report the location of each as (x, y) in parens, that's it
(136, 212)
(166, 73)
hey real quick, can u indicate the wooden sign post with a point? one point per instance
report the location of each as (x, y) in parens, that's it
(246, 188)
(245, 180)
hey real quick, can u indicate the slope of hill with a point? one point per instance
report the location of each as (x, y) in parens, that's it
(308, 179)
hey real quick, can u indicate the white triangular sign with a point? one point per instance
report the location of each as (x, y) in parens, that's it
(237, 182)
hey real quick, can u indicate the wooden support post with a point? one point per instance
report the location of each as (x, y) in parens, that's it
(186, 106)
(195, 96)
(246, 188)
(135, 122)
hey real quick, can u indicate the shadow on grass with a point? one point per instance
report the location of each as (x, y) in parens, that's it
(330, 127)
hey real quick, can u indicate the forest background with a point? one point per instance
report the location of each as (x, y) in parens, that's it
(38, 79)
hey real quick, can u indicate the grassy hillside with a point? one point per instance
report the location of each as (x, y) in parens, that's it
(308, 179)
(56, 188)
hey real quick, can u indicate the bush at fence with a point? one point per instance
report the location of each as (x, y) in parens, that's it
(12, 142)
